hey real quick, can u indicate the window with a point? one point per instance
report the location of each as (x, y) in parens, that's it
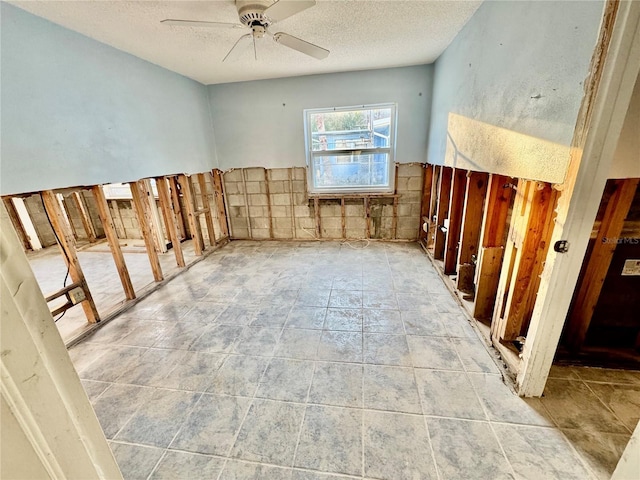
(351, 149)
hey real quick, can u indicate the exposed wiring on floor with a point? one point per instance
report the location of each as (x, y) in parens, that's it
(66, 277)
(346, 242)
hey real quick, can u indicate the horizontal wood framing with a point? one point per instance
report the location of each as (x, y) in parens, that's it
(275, 204)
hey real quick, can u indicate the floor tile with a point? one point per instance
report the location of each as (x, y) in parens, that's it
(340, 346)
(571, 404)
(474, 355)
(181, 336)
(347, 282)
(538, 453)
(383, 300)
(157, 420)
(331, 440)
(313, 297)
(153, 366)
(396, 447)
(269, 433)
(448, 394)
(467, 450)
(194, 372)
(504, 405)
(434, 352)
(204, 313)
(94, 389)
(120, 359)
(310, 475)
(338, 384)
(306, 317)
(600, 451)
(239, 375)
(185, 465)
(608, 375)
(286, 379)
(391, 388)
(382, 321)
(423, 323)
(345, 299)
(238, 470)
(218, 339)
(348, 319)
(298, 343)
(257, 341)
(272, 316)
(622, 400)
(135, 462)
(118, 404)
(384, 349)
(171, 311)
(412, 301)
(212, 425)
(237, 315)
(566, 372)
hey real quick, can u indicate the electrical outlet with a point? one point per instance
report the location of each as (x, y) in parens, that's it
(77, 295)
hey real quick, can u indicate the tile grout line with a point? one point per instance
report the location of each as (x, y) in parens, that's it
(610, 410)
(304, 414)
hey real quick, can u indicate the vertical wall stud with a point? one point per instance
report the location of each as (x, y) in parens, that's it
(168, 215)
(456, 204)
(143, 213)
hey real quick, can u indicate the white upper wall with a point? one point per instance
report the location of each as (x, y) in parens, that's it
(519, 66)
(78, 112)
(260, 123)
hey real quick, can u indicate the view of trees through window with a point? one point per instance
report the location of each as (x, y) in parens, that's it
(350, 133)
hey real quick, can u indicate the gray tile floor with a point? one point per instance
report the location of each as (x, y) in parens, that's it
(323, 361)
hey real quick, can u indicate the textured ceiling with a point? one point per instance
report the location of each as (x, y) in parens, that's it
(360, 34)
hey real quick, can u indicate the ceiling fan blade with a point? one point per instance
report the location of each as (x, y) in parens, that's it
(282, 9)
(248, 35)
(300, 45)
(198, 23)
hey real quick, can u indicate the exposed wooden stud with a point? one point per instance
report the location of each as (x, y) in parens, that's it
(294, 233)
(316, 207)
(425, 206)
(246, 201)
(433, 207)
(458, 188)
(476, 190)
(64, 202)
(155, 225)
(219, 198)
(117, 218)
(590, 285)
(168, 215)
(207, 206)
(174, 189)
(112, 239)
(67, 245)
(529, 242)
(189, 206)
(367, 216)
(442, 212)
(143, 213)
(343, 218)
(486, 284)
(266, 183)
(17, 223)
(81, 206)
(394, 220)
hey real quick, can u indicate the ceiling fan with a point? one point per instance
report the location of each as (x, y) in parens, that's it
(259, 15)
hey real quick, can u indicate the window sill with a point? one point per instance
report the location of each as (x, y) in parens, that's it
(353, 195)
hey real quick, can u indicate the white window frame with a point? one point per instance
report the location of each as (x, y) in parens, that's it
(390, 151)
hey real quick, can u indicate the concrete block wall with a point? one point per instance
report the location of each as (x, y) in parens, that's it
(34, 207)
(211, 202)
(274, 203)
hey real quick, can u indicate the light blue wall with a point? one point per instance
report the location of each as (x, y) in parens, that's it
(519, 65)
(260, 123)
(78, 112)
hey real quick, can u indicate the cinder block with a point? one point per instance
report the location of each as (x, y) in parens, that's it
(355, 223)
(410, 197)
(299, 173)
(402, 184)
(354, 210)
(408, 223)
(415, 183)
(256, 187)
(416, 209)
(306, 222)
(410, 170)
(238, 211)
(260, 222)
(281, 199)
(258, 199)
(254, 174)
(330, 210)
(331, 233)
(302, 211)
(282, 223)
(235, 200)
(278, 187)
(282, 233)
(278, 174)
(331, 223)
(407, 234)
(300, 198)
(280, 211)
(232, 176)
(299, 186)
(258, 211)
(240, 233)
(238, 222)
(260, 233)
(405, 210)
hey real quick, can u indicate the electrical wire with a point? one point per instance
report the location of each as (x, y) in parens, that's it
(66, 277)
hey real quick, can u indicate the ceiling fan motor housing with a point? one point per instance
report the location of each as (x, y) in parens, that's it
(251, 13)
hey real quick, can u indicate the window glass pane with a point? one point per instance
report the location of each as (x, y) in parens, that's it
(357, 129)
(363, 170)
